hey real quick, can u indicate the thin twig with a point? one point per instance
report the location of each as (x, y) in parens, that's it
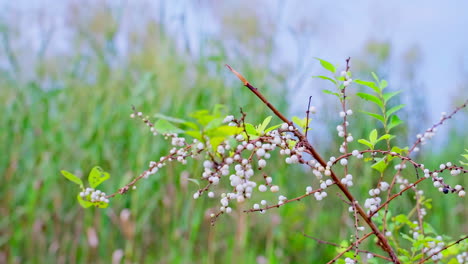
(307, 117)
(444, 248)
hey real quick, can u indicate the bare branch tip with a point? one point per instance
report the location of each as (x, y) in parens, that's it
(238, 75)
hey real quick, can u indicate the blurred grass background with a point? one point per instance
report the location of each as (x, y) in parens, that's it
(71, 111)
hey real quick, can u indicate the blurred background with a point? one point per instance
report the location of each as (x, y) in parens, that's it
(71, 70)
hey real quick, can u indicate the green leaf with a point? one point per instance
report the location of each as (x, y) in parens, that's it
(195, 134)
(101, 204)
(264, 124)
(375, 77)
(194, 181)
(373, 136)
(165, 127)
(216, 141)
(371, 85)
(367, 143)
(272, 128)
(250, 129)
(191, 125)
(372, 98)
(203, 117)
(325, 78)
(83, 203)
(383, 84)
(388, 96)
(386, 136)
(330, 92)
(327, 65)
(70, 176)
(401, 218)
(394, 109)
(394, 121)
(223, 131)
(377, 116)
(301, 122)
(429, 229)
(401, 151)
(97, 176)
(380, 166)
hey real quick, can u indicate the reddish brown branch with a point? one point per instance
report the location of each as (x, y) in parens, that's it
(382, 240)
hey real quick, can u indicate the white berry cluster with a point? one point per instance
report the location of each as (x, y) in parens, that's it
(462, 258)
(348, 80)
(433, 247)
(238, 163)
(94, 195)
(350, 261)
(372, 204)
(429, 134)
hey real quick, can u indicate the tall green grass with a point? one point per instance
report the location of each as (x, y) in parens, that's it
(74, 115)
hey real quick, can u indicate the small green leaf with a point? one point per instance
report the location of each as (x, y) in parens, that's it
(371, 85)
(203, 117)
(367, 143)
(264, 125)
(394, 121)
(383, 84)
(394, 109)
(327, 65)
(372, 98)
(330, 92)
(272, 128)
(373, 136)
(70, 176)
(386, 136)
(375, 77)
(376, 116)
(401, 151)
(388, 96)
(97, 176)
(430, 229)
(301, 122)
(194, 181)
(380, 166)
(325, 78)
(101, 204)
(405, 236)
(83, 203)
(163, 126)
(401, 218)
(250, 129)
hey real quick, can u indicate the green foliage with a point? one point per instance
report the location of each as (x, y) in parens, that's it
(465, 156)
(336, 80)
(327, 65)
(301, 122)
(72, 177)
(96, 176)
(386, 116)
(374, 139)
